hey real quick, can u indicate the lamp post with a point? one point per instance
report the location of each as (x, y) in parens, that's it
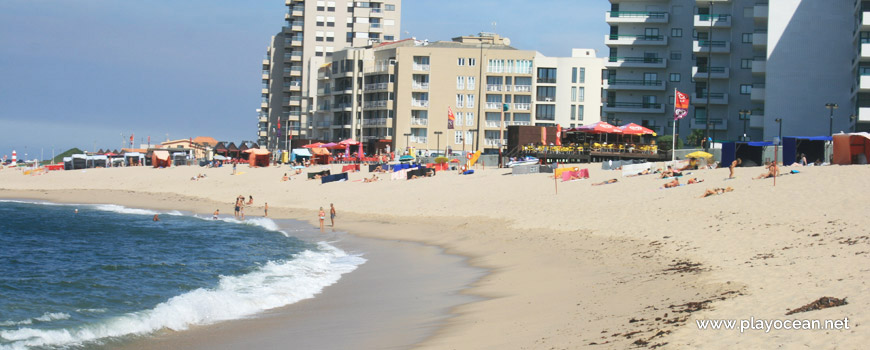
(744, 116)
(779, 121)
(408, 143)
(852, 120)
(438, 143)
(831, 107)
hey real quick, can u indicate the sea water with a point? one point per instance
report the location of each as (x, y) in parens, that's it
(107, 273)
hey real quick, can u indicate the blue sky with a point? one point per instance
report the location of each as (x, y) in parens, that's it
(83, 73)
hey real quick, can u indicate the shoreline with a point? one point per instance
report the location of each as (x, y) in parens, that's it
(609, 267)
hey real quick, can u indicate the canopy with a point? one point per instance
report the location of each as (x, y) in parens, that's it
(161, 155)
(313, 145)
(851, 148)
(318, 151)
(160, 159)
(303, 152)
(406, 158)
(699, 154)
(258, 151)
(599, 128)
(219, 157)
(258, 157)
(349, 142)
(634, 129)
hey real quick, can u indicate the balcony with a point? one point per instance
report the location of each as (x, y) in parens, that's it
(759, 40)
(296, 26)
(296, 56)
(522, 107)
(636, 62)
(719, 21)
(419, 86)
(865, 20)
(377, 86)
(864, 84)
(639, 40)
(493, 105)
(323, 124)
(377, 122)
(376, 12)
(418, 139)
(494, 87)
(634, 107)
(263, 133)
(716, 98)
(701, 73)
(759, 12)
(297, 11)
(642, 85)
(344, 106)
(264, 119)
(492, 124)
(636, 17)
(702, 47)
(757, 94)
(493, 142)
(420, 103)
(715, 124)
(264, 104)
(522, 88)
(376, 104)
(863, 114)
(419, 121)
(519, 122)
(420, 67)
(865, 51)
(759, 67)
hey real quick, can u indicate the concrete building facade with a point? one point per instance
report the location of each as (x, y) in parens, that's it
(313, 32)
(397, 95)
(748, 65)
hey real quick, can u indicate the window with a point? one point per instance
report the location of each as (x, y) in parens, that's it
(460, 83)
(457, 138)
(547, 75)
(389, 37)
(320, 20)
(472, 62)
(581, 96)
(582, 75)
(545, 112)
(580, 112)
(746, 63)
(460, 98)
(747, 38)
(675, 77)
(574, 75)
(573, 94)
(546, 93)
(676, 55)
(460, 61)
(573, 112)
(676, 32)
(469, 121)
(389, 7)
(470, 99)
(471, 83)
(745, 89)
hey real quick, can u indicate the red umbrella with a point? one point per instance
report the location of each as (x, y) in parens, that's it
(634, 129)
(599, 128)
(313, 145)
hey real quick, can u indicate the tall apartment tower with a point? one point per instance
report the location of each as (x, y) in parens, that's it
(861, 65)
(748, 66)
(313, 32)
(398, 94)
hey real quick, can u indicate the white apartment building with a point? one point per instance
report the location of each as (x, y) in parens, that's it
(313, 31)
(398, 94)
(748, 65)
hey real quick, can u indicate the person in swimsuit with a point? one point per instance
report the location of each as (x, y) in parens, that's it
(734, 164)
(216, 213)
(611, 181)
(332, 214)
(266, 209)
(322, 216)
(674, 183)
(237, 208)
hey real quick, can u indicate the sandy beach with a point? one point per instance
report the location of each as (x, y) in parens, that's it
(600, 267)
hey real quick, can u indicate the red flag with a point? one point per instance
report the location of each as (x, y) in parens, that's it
(451, 119)
(131, 140)
(681, 105)
(558, 134)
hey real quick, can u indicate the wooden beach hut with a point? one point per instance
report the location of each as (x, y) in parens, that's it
(258, 157)
(160, 159)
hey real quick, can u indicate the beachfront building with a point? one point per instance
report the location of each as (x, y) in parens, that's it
(313, 31)
(397, 95)
(748, 67)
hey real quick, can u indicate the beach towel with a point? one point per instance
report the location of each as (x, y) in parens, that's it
(399, 174)
(350, 167)
(321, 173)
(468, 172)
(333, 178)
(558, 172)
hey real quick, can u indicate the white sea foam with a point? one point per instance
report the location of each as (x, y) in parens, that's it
(273, 285)
(124, 210)
(46, 317)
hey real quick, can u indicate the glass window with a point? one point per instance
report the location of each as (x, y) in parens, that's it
(573, 94)
(546, 93)
(545, 112)
(677, 32)
(746, 63)
(471, 83)
(675, 77)
(547, 75)
(470, 99)
(574, 75)
(582, 75)
(581, 94)
(676, 55)
(457, 138)
(580, 112)
(459, 100)
(747, 38)
(389, 7)
(472, 62)
(469, 121)
(460, 83)
(460, 61)
(745, 89)
(573, 112)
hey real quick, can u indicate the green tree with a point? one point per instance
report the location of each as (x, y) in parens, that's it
(665, 142)
(695, 138)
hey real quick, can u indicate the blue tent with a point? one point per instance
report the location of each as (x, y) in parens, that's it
(812, 146)
(300, 153)
(751, 153)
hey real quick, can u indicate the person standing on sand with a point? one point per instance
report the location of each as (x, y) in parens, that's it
(237, 208)
(734, 164)
(322, 216)
(266, 209)
(332, 214)
(234, 168)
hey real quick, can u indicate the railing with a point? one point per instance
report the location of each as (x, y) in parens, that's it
(493, 105)
(341, 105)
(522, 106)
(704, 43)
(642, 105)
(376, 86)
(519, 122)
(420, 103)
(418, 139)
(637, 37)
(634, 82)
(492, 123)
(322, 124)
(293, 113)
(635, 14)
(547, 80)
(493, 142)
(377, 10)
(712, 95)
(375, 122)
(493, 87)
(294, 98)
(719, 17)
(374, 25)
(636, 59)
(295, 68)
(297, 8)
(522, 88)
(420, 67)
(420, 86)
(375, 104)
(703, 69)
(420, 121)
(265, 72)
(296, 23)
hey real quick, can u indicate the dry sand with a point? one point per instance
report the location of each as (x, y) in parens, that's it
(620, 265)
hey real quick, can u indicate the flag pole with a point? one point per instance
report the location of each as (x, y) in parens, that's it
(674, 137)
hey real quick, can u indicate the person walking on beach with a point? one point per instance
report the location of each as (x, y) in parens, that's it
(332, 214)
(234, 168)
(266, 209)
(322, 216)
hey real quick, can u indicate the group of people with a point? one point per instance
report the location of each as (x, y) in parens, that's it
(322, 215)
(239, 208)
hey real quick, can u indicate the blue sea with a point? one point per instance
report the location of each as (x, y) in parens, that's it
(109, 273)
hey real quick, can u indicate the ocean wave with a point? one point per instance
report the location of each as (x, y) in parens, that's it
(123, 210)
(273, 285)
(46, 317)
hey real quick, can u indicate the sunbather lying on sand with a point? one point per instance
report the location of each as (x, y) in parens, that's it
(674, 183)
(371, 179)
(611, 181)
(772, 170)
(716, 191)
(695, 180)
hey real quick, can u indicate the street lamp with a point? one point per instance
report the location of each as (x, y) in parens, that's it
(744, 116)
(852, 120)
(831, 107)
(408, 142)
(779, 120)
(438, 144)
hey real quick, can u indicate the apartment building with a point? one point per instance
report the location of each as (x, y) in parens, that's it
(397, 95)
(749, 67)
(313, 32)
(860, 119)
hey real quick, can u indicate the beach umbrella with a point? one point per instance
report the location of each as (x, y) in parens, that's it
(454, 160)
(406, 158)
(599, 128)
(634, 129)
(699, 154)
(313, 145)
